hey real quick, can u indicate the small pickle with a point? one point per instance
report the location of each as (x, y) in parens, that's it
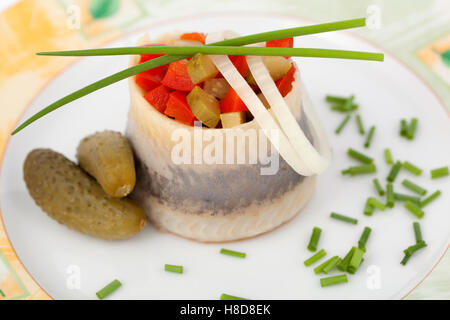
(201, 68)
(277, 67)
(73, 198)
(232, 119)
(217, 87)
(204, 106)
(108, 157)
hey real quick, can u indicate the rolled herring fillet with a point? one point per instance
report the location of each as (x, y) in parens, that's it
(212, 201)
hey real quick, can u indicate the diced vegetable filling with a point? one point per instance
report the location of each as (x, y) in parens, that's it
(194, 89)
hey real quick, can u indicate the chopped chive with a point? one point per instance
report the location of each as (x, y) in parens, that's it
(331, 264)
(360, 124)
(355, 261)
(412, 129)
(345, 262)
(417, 232)
(394, 171)
(319, 255)
(320, 268)
(430, 198)
(378, 187)
(314, 240)
(414, 187)
(347, 104)
(3, 295)
(388, 156)
(108, 289)
(368, 209)
(343, 218)
(365, 169)
(330, 281)
(336, 99)
(342, 125)
(410, 250)
(376, 204)
(233, 253)
(344, 108)
(412, 168)
(225, 296)
(359, 156)
(414, 209)
(239, 41)
(369, 137)
(172, 268)
(403, 128)
(406, 197)
(439, 172)
(390, 195)
(363, 239)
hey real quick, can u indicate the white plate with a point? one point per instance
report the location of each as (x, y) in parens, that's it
(273, 268)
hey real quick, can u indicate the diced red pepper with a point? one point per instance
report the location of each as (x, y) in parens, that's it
(194, 36)
(232, 103)
(240, 62)
(150, 79)
(177, 77)
(281, 43)
(284, 84)
(158, 97)
(178, 108)
(147, 57)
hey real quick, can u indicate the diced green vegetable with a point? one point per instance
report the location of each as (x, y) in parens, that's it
(204, 106)
(201, 68)
(364, 237)
(390, 195)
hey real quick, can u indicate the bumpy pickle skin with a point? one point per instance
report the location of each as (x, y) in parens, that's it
(73, 198)
(107, 156)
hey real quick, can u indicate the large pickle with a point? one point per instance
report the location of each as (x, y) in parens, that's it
(107, 156)
(73, 198)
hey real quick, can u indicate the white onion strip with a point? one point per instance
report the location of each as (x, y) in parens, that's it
(256, 107)
(314, 161)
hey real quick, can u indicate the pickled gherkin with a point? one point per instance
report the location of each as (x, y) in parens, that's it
(73, 198)
(232, 119)
(108, 157)
(201, 68)
(204, 106)
(277, 67)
